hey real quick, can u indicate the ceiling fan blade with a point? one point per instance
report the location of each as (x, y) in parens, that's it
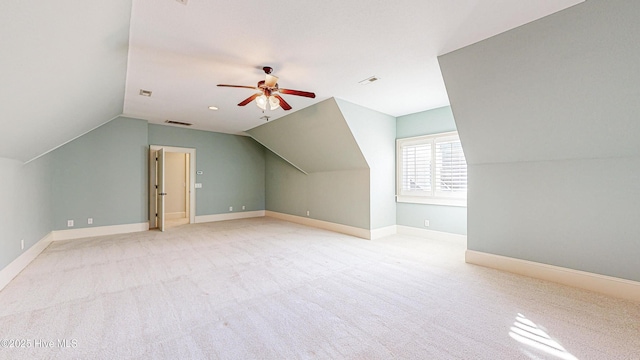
(297, 92)
(239, 86)
(249, 99)
(285, 105)
(271, 80)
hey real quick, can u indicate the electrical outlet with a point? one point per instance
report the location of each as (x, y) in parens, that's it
(307, 212)
(426, 223)
(198, 185)
(69, 223)
(230, 208)
(22, 244)
(90, 221)
(243, 207)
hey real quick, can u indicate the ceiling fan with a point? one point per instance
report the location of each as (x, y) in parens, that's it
(269, 92)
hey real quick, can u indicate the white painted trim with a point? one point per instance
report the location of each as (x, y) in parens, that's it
(432, 234)
(229, 216)
(70, 234)
(384, 231)
(430, 200)
(344, 229)
(20, 263)
(176, 215)
(608, 285)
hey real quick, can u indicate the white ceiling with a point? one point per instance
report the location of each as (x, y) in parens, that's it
(63, 64)
(181, 52)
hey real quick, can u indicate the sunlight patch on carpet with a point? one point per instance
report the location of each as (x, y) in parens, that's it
(528, 333)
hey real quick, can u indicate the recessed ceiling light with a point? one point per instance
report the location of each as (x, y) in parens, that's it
(146, 93)
(213, 108)
(368, 80)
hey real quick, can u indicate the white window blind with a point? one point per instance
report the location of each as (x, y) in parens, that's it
(432, 169)
(416, 172)
(451, 168)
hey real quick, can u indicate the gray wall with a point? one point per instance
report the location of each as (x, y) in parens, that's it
(548, 117)
(317, 140)
(25, 205)
(285, 187)
(451, 219)
(375, 134)
(233, 168)
(349, 155)
(340, 196)
(425, 123)
(102, 175)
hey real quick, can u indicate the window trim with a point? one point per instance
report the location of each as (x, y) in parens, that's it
(431, 198)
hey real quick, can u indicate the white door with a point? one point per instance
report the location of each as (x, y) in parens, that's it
(157, 180)
(153, 188)
(161, 189)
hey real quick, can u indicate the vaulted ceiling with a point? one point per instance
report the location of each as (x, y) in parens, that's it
(69, 66)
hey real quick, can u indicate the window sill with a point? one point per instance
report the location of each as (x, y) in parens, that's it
(431, 201)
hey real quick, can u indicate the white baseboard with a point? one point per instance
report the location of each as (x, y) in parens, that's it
(70, 234)
(229, 216)
(432, 234)
(608, 285)
(382, 232)
(176, 215)
(16, 266)
(326, 225)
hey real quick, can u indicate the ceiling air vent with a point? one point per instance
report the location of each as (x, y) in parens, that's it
(368, 80)
(177, 123)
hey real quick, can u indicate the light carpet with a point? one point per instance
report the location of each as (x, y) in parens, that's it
(268, 289)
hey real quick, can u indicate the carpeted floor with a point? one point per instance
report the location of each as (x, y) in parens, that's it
(267, 289)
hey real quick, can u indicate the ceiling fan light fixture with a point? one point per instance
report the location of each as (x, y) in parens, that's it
(261, 101)
(274, 103)
(271, 80)
(268, 87)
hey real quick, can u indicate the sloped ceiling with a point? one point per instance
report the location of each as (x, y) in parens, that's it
(181, 52)
(62, 68)
(570, 91)
(64, 64)
(315, 139)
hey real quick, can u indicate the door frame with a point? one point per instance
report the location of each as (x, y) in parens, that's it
(192, 180)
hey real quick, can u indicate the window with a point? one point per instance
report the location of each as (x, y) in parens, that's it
(432, 170)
